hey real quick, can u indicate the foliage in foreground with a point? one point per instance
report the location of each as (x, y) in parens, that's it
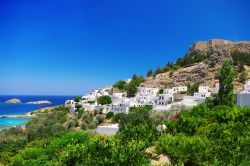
(201, 136)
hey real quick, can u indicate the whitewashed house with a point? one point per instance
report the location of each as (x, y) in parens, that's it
(243, 98)
(217, 88)
(145, 100)
(202, 94)
(180, 89)
(142, 91)
(70, 104)
(189, 103)
(169, 91)
(118, 108)
(247, 86)
(163, 99)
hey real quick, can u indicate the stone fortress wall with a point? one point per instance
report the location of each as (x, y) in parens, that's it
(204, 45)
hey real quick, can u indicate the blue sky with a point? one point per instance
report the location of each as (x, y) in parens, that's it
(62, 47)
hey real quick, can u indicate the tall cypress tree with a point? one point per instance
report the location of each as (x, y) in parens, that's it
(226, 91)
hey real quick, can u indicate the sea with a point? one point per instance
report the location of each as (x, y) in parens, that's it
(22, 108)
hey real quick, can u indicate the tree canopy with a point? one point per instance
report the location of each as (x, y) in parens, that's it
(226, 91)
(104, 100)
(120, 85)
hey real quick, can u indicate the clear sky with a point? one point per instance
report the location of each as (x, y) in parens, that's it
(69, 47)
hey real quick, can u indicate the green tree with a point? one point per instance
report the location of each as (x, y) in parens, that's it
(109, 115)
(226, 91)
(78, 107)
(141, 79)
(120, 85)
(131, 89)
(104, 100)
(160, 91)
(150, 73)
(158, 71)
(77, 99)
(135, 77)
(243, 76)
(171, 73)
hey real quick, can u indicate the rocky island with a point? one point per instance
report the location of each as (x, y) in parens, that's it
(13, 101)
(39, 102)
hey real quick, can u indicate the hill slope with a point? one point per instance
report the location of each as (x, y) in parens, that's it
(202, 63)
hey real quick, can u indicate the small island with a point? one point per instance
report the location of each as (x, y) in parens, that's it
(13, 101)
(39, 102)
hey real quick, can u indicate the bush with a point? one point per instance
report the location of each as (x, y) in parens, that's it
(77, 99)
(104, 100)
(100, 119)
(110, 115)
(184, 150)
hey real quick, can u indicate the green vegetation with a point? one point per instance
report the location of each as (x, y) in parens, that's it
(192, 88)
(241, 58)
(160, 91)
(171, 73)
(131, 87)
(78, 107)
(120, 85)
(190, 59)
(226, 91)
(110, 115)
(48, 141)
(243, 76)
(214, 133)
(150, 73)
(77, 99)
(206, 136)
(104, 100)
(200, 136)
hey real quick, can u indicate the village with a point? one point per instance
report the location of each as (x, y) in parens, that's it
(159, 99)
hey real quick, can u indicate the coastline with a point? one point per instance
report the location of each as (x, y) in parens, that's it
(28, 114)
(20, 120)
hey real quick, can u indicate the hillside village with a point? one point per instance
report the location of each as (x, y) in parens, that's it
(165, 92)
(150, 96)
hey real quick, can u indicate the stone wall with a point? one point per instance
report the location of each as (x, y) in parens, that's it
(204, 45)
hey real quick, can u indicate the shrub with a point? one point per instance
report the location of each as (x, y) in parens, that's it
(110, 115)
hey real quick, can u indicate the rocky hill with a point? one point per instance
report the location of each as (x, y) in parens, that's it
(205, 71)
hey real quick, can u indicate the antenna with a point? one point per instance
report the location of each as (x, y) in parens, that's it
(234, 36)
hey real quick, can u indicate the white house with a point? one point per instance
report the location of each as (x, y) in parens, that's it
(163, 99)
(217, 88)
(203, 88)
(169, 91)
(189, 103)
(145, 100)
(142, 91)
(202, 94)
(247, 86)
(118, 108)
(69, 103)
(180, 89)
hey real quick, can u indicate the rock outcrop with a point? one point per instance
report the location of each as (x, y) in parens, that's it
(205, 74)
(13, 101)
(220, 50)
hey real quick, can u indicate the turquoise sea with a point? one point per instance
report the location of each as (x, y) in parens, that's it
(15, 109)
